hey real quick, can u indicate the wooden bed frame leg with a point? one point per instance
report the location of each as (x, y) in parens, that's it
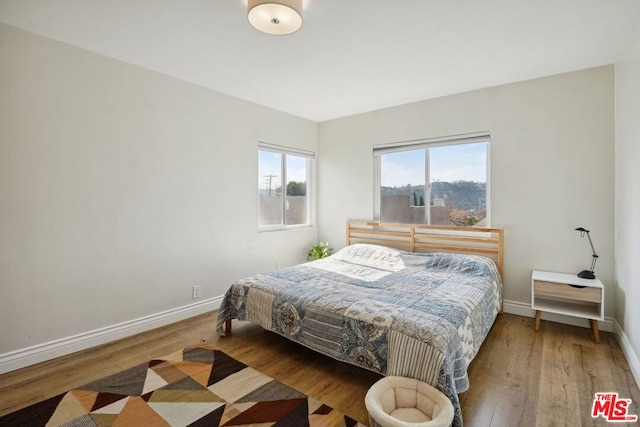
(227, 326)
(538, 313)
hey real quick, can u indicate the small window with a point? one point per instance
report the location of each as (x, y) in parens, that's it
(435, 182)
(284, 187)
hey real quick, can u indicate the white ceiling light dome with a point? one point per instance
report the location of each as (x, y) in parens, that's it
(275, 17)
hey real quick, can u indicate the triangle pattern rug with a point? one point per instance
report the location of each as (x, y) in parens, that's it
(196, 386)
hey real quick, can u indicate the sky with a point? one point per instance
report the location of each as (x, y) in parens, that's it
(463, 162)
(270, 169)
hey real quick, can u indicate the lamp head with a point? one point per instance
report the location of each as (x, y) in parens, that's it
(582, 230)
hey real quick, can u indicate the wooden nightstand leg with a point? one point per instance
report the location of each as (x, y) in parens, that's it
(596, 333)
(538, 314)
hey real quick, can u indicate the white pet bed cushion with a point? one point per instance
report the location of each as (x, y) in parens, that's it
(407, 402)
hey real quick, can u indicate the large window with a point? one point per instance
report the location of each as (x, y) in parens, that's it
(438, 182)
(284, 187)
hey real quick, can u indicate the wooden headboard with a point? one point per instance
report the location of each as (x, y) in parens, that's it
(487, 242)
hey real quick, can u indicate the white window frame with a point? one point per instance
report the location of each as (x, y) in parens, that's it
(395, 147)
(310, 186)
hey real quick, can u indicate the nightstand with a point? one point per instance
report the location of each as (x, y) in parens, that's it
(567, 294)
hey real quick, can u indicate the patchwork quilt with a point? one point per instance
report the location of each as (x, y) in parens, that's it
(418, 315)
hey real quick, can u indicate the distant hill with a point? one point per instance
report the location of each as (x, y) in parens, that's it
(464, 195)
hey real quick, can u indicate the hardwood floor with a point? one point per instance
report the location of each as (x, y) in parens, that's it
(519, 377)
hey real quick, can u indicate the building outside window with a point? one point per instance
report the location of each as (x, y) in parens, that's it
(284, 187)
(441, 181)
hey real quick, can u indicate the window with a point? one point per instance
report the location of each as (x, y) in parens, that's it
(438, 182)
(289, 205)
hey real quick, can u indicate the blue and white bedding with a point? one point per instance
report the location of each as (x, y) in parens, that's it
(416, 315)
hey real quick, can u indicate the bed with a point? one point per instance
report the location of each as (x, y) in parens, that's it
(407, 300)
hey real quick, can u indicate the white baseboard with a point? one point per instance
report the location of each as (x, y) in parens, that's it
(50, 350)
(524, 309)
(630, 354)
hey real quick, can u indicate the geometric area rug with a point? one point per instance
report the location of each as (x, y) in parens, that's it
(196, 386)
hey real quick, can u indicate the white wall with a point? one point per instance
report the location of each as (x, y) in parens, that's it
(121, 188)
(627, 160)
(551, 160)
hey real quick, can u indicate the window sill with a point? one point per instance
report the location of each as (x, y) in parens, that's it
(268, 228)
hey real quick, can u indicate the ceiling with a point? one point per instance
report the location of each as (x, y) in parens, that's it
(351, 56)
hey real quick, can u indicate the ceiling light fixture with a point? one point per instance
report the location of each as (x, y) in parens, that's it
(275, 17)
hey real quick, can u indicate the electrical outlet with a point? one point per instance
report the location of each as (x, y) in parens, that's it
(195, 292)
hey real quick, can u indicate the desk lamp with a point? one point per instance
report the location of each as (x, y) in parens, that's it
(588, 274)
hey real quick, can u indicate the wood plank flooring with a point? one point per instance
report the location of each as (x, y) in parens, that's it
(519, 377)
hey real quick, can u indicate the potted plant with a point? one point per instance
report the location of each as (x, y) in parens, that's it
(321, 250)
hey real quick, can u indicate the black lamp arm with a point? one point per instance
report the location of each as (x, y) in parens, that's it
(592, 248)
(593, 263)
